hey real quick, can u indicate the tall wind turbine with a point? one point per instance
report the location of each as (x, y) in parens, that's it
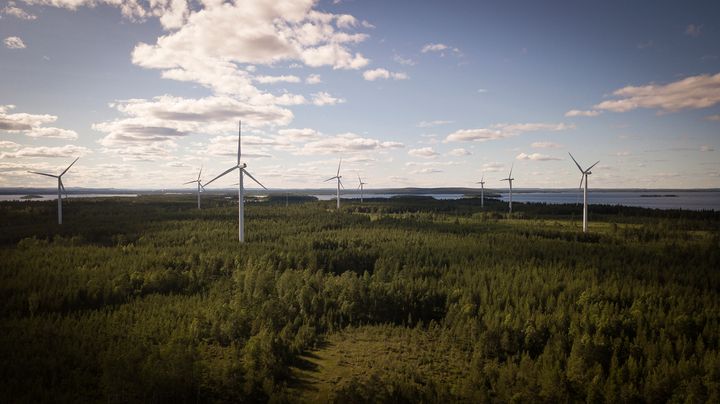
(584, 177)
(361, 187)
(241, 190)
(339, 183)
(61, 187)
(510, 179)
(199, 185)
(482, 191)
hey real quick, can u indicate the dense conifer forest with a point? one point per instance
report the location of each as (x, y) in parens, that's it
(149, 299)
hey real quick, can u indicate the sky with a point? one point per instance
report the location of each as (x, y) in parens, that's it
(407, 93)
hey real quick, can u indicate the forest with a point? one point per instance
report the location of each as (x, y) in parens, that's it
(408, 299)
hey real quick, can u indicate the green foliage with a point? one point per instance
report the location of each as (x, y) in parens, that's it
(150, 300)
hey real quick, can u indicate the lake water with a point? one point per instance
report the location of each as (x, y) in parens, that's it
(52, 197)
(689, 200)
(328, 197)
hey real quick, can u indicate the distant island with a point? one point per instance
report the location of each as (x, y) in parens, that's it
(31, 197)
(658, 196)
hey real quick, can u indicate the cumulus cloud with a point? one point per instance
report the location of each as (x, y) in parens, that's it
(577, 112)
(428, 124)
(13, 10)
(14, 42)
(277, 79)
(440, 48)
(694, 92)
(31, 124)
(429, 170)
(6, 144)
(503, 130)
(545, 145)
(535, 157)
(459, 152)
(62, 151)
(313, 79)
(299, 135)
(426, 152)
(404, 61)
(715, 117)
(706, 148)
(346, 143)
(322, 98)
(375, 74)
(253, 146)
(493, 167)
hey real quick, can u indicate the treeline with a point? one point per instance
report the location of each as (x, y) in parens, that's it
(151, 300)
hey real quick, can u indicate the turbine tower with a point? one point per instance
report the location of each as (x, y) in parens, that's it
(510, 179)
(584, 177)
(482, 191)
(241, 190)
(339, 183)
(60, 186)
(199, 185)
(361, 187)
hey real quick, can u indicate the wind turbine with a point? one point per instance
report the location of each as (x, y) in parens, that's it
(241, 190)
(199, 185)
(339, 183)
(584, 177)
(510, 179)
(61, 187)
(482, 191)
(361, 187)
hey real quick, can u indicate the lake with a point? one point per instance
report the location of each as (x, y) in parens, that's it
(52, 197)
(689, 200)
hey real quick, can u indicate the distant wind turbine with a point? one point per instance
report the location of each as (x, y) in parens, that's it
(584, 177)
(61, 187)
(241, 190)
(482, 191)
(339, 183)
(361, 187)
(199, 185)
(510, 179)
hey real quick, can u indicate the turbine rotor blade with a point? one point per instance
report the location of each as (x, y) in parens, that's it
(62, 187)
(71, 164)
(576, 163)
(331, 178)
(253, 178)
(341, 184)
(189, 182)
(511, 168)
(49, 175)
(589, 168)
(226, 171)
(239, 140)
(200, 173)
(338, 172)
(582, 177)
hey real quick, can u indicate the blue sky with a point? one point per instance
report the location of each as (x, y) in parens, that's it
(408, 93)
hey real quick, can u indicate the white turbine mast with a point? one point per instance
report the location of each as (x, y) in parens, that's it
(482, 191)
(199, 186)
(510, 179)
(339, 183)
(584, 177)
(241, 190)
(361, 187)
(60, 186)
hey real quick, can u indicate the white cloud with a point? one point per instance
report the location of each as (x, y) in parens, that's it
(428, 124)
(54, 133)
(299, 135)
(706, 148)
(426, 152)
(277, 79)
(313, 79)
(440, 48)
(17, 12)
(62, 151)
(693, 30)
(253, 146)
(428, 170)
(323, 98)
(346, 143)
(693, 92)
(375, 74)
(459, 152)
(545, 145)
(13, 42)
(715, 117)
(501, 131)
(6, 144)
(577, 112)
(493, 167)
(404, 61)
(623, 153)
(535, 157)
